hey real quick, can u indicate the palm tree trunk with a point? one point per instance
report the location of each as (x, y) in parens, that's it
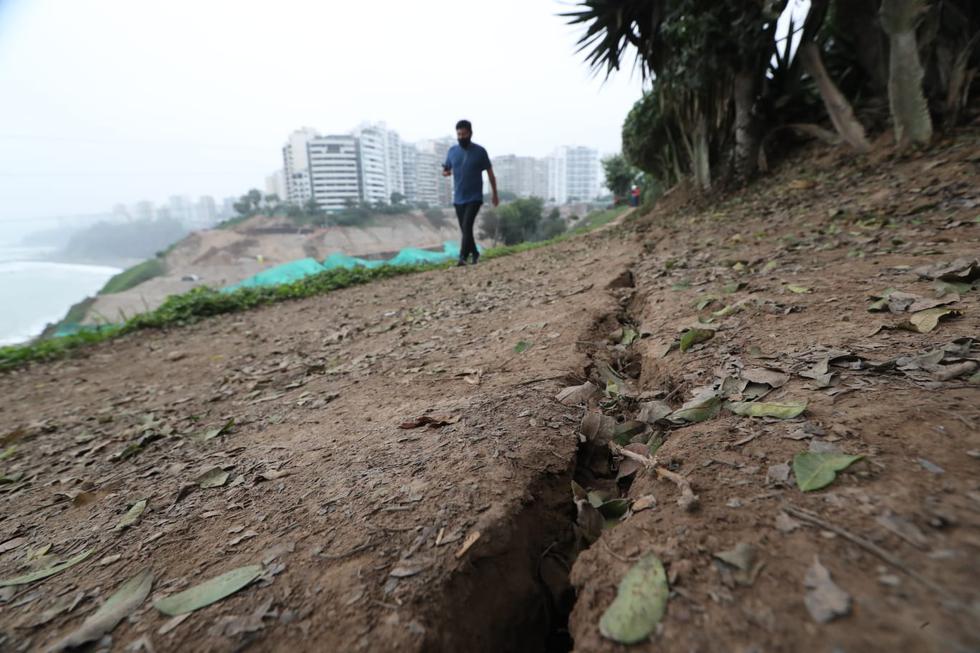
(910, 112)
(702, 154)
(839, 109)
(746, 127)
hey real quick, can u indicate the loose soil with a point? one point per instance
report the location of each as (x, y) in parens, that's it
(460, 535)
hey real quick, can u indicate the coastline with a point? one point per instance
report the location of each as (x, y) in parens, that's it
(39, 290)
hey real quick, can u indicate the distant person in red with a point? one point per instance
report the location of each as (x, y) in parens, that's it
(466, 163)
(635, 196)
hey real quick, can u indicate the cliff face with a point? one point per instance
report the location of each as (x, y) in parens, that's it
(220, 257)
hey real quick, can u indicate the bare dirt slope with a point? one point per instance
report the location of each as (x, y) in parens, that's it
(797, 258)
(459, 535)
(362, 525)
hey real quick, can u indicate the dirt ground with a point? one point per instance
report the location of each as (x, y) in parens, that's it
(374, 533)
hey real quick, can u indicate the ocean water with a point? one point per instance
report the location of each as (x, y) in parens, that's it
(34, 292)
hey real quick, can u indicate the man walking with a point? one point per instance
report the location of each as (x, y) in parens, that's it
(466, 163)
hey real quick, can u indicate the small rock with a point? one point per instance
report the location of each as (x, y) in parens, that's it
(777, 474)
(930, 467)
(175, 356)
(890, 580)
(824, 600)
(785, 523)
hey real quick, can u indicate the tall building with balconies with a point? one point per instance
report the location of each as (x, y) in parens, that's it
(335, 175)
(296, 165)
(573, 174)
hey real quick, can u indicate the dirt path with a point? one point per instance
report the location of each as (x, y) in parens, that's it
(361, 524)
(461, 535)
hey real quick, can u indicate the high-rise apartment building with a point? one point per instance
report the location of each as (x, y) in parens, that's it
(180, 207)
(396, 164)
(573, 174)
(335, 171)
(144, 210)
(205, 212)
(275, 184)
(296, 165)
(380, 160)
(525, 176)
(410, 170)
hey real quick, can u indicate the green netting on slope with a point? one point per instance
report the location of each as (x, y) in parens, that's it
(72, 328)
(339, 260)
(305, 267)
(280, 274)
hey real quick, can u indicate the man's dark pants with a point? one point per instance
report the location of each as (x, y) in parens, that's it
(466, 214)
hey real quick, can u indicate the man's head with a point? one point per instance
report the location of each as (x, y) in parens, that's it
(464, 132)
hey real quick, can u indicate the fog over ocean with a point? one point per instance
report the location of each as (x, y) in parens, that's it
(34, 292)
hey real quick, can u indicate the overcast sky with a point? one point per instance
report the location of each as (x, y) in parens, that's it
(107, 101)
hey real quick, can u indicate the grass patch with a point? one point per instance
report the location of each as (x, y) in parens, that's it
(134, 276)
(597, 219)
(204, 302)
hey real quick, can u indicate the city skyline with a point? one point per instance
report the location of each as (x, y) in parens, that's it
(512, 172)
(371, 163)
(81, 133)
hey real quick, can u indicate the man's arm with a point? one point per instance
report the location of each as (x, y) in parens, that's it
(493, 185)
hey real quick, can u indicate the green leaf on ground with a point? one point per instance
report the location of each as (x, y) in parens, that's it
(218, 430)
(12, 478)
(132, 515)
(733, 287)
(697, 410)
(769, 267)
(614, 508)
(927, 320)
(624, 433)
(782, 410)
(117, 607)
(817, 470)
(692, 337)
(944, 288)
(47, 571)
(215, 477)
(209, 591)
(629, 336)
(521, 347)
(731, 309)
(881, 301)
(799, 290)
(639, 604)
(8, 452)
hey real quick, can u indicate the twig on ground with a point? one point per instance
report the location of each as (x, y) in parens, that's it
(616, 555)
(688, 499)
(553, 377)
(871, 547)
(646, 461)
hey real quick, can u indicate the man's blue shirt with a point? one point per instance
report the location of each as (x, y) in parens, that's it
(468, 164)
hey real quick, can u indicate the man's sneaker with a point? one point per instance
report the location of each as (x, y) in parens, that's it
(461, 263)
(476, 258)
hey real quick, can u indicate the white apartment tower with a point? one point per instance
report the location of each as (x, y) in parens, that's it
(525, 176)
(335, 176)
(410, 169)
(275, 184)
(380, 159)
(296, 165)
(573, 174)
